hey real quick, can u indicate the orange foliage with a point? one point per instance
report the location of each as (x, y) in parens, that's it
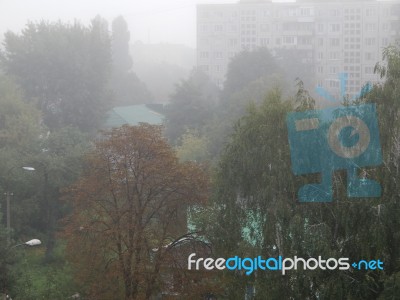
(128, 205)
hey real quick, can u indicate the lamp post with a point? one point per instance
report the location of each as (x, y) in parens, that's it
(8, 194)
(47, 190)
(49, 205)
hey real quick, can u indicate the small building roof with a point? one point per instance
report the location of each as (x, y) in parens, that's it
(132, 115)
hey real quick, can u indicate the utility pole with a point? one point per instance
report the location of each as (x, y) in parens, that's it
(8, 194)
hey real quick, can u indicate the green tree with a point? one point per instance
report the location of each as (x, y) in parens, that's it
(56, 168)
(194, 147)
(191, 106)
(247, 67)
(126, 86)
(122, 60)
(20, 135)
(65, 71)
(250, 75)
(254, 194)
(255, 209)
(19, 121)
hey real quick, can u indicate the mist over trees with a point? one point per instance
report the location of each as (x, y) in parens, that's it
(63, 70)
(127, 87)
(161, 66)
(55, 87)
(254, 208)
(73, 73)
(119, 211)
(191, 106)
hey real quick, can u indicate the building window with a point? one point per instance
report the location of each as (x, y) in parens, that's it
(370, 12)
(370, 41)
(289, 40)
(233, 42)
(306, 11)
(218, 28)
(335, 42)
(334, 55)
(303, 40)
(335, 27)
(370, 26)
(333, 70)
(292, 12)
(264, 42)
(203, 28)
(203, 54)
(218, 55)
(385, 26)
(334, 83)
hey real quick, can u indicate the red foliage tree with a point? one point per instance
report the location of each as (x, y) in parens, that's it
(128, 205)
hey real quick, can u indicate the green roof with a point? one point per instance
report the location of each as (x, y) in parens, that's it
(132, 115)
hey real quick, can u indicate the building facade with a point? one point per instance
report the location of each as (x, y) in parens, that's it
(332, 36)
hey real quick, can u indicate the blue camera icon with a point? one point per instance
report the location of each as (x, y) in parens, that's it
(324, 141)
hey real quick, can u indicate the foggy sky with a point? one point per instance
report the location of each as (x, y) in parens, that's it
(172, 21)
(154, 21)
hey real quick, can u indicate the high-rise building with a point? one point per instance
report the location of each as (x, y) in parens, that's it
(333, 36)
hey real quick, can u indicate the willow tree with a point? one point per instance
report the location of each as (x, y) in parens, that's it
(256, 211)
(128, 207)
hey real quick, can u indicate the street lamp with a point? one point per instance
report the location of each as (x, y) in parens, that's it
(29, 168)
(31, 243)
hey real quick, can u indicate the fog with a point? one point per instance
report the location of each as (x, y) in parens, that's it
(144, 143)
(152, 21)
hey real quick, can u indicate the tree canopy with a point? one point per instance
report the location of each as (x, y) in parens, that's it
(255, 208)
(128, 207)
(126, 86)
(63, 70)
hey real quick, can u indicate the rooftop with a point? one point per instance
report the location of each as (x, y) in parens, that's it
(133, 115)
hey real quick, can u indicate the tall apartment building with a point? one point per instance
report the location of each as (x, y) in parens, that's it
(333, 36)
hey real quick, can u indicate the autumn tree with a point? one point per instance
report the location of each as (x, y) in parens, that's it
(128, 208)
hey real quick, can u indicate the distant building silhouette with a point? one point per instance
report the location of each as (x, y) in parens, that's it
(330, 36)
